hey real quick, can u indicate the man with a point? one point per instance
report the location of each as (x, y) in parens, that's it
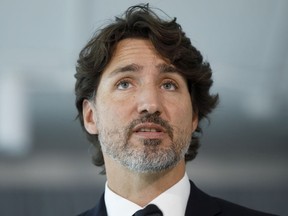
(141, 91)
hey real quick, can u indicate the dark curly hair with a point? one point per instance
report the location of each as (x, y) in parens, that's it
(169, 40)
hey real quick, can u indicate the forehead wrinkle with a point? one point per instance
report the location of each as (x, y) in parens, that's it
(162, 68)
(127, 68)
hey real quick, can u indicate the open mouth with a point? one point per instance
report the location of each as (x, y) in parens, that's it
(149, 127)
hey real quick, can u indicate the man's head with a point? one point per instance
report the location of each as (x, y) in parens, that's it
(102, 59)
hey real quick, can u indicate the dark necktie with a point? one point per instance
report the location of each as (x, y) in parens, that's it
(149, 210)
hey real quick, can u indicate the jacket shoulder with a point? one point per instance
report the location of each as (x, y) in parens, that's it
(229, 208)
(200, 203)
(98, 210)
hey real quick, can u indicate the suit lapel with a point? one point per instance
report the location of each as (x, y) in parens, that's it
(99, 209)
(200, 203)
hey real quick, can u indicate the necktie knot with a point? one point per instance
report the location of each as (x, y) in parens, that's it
(149, 210)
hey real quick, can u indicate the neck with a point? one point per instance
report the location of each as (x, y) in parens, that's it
(141, 188)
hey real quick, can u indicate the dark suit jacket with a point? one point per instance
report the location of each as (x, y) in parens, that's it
(199, 204)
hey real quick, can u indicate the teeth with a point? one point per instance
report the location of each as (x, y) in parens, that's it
(148, 130)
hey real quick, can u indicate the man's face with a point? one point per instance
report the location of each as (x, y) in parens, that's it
(142, 111)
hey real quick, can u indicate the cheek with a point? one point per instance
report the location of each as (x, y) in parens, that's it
(183, 114)
(112, 111)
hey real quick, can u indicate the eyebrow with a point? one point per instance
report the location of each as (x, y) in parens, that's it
(163, 68)
(167, 68)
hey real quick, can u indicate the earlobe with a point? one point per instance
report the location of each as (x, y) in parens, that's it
(88, 117)
(194, 122)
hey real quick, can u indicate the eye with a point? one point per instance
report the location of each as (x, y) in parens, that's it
(169, 85)
(123, 84)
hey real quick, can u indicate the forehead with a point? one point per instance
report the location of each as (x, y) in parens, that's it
(135, 50)
(138, 55)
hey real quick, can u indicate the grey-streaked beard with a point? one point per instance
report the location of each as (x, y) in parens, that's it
(153, 157)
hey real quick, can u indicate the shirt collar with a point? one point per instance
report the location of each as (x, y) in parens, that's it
(171, 202)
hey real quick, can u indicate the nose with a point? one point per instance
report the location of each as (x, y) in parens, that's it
(149, 101)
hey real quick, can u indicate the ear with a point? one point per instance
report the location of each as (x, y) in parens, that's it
(194, 121)
(88, 117)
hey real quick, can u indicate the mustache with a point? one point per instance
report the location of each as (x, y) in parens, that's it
(151, 118)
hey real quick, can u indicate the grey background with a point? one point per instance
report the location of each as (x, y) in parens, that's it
(45, 163)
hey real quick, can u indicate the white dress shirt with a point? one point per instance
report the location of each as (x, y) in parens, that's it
(171, 202)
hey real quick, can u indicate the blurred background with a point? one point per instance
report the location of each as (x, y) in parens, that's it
(45, 160)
